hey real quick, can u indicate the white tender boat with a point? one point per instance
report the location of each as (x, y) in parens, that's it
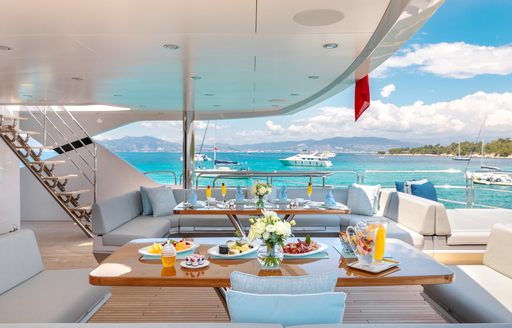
(492, 178)
(307, 159)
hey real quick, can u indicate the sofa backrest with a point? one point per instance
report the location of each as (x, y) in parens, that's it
(418, 214)
(498, 255)
(20, 259)
(114, 212)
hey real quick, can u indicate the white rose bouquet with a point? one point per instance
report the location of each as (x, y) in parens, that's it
(273, 231)
(260, 190)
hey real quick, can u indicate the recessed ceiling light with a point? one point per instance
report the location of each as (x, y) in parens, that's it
(208, 94)
(330, 46)
(117, 95)
(277, 100)
(171, 46)
(76, 78)
(5, 48)
(318, 17)
(195, 77)
(294, 94)
(313, 77)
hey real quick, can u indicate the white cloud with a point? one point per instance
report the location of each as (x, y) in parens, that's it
(420, 121)
(457, 60)
(387, 90)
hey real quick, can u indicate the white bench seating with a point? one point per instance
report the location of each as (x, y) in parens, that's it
(481, 293)
(29, 294)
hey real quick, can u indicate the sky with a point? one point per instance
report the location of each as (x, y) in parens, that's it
(439, 87)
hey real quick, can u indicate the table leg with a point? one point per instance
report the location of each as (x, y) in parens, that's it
(236, 223)
(221, 293)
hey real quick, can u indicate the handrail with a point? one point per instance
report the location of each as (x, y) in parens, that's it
(163, 172)
(92, 180)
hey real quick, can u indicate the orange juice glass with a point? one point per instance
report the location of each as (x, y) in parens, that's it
(310, 190)
(380, 240)
(224, 191)
(168, 255)
(208, 192)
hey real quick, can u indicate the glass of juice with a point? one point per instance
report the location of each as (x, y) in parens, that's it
(224, 192)
(380, 238)
(208, 193)
(310, 190)
(168, 255)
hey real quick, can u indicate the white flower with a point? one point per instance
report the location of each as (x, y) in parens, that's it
(283, 228)
(266, 235)
(259, 227)
(271, 228)
(262, 191)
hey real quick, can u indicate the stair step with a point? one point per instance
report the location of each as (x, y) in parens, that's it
(63, 177)
(72, 193)
(38, 147)
(85, 208)
(47, 162)
(28, 132)
(10, 117)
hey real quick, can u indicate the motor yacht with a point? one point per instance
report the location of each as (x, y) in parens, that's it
(492, 178)
(83, 232)
(313, 159)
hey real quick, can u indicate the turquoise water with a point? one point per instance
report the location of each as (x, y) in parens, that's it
(354, 162)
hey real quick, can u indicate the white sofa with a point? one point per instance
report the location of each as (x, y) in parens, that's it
(30, 294)
(481, 293)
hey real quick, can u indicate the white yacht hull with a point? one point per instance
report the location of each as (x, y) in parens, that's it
(303, 162)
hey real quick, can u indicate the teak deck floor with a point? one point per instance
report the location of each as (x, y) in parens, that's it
(64, 246)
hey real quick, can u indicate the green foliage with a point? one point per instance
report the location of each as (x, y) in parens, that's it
(501, 147)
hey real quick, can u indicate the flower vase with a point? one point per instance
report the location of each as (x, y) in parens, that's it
(270, 257)
(260, 203)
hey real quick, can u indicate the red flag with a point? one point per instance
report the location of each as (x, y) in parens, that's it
(362, 97)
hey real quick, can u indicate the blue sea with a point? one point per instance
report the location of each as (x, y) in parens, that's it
(486, 195)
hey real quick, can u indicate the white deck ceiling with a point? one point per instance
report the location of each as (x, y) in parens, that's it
(251, 55)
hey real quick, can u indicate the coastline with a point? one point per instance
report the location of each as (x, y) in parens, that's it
(451, 155)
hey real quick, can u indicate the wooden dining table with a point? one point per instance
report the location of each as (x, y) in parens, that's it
(126, 267)
(232, 214)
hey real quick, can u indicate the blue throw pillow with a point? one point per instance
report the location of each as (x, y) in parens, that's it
(146, 204)
(424, 190)
(162, 201)
(311, 284)
(399, 185)
(288, 310)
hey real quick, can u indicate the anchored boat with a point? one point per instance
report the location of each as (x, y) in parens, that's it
(307, 159)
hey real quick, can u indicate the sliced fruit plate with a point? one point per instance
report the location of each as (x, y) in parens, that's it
(181, 246)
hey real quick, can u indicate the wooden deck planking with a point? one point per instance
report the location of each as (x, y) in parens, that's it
(64, 246)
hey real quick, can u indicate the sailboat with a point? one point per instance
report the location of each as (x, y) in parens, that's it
(459, 157)
(482, 165)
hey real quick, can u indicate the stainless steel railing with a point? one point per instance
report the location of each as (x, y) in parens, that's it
(466, 185)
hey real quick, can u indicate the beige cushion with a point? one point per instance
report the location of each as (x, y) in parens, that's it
(19, 258)
(478, 294)
(51, 296)
(140, 227)
(416, 213)
(473, 226)
(498, 255)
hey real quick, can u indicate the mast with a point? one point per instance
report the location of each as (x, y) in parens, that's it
(214, 144)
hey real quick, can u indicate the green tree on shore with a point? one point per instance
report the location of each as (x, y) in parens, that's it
(501, 147)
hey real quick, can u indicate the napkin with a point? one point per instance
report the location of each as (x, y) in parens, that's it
(329, 200)
(192, 197)
(283, 195)
(239, 194)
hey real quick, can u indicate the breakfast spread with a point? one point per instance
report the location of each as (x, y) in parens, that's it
(180, 246)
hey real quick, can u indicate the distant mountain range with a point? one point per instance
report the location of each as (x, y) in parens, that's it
(337, 144)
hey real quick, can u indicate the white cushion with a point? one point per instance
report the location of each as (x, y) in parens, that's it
(498, 255)
(363, 199)
(478, 294)
(51, 296)
(473, 226)
(19, 258)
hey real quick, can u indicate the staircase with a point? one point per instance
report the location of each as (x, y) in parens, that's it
(63, 177)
